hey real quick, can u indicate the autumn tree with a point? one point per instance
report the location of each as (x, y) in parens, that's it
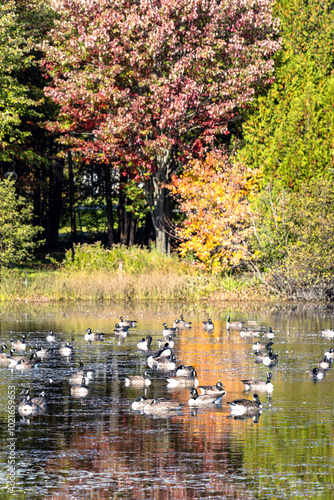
(145, 83)
(213, 195)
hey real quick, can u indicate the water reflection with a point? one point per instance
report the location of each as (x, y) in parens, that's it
(99, 447)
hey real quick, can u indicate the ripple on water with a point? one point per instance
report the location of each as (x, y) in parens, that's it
(98, 446)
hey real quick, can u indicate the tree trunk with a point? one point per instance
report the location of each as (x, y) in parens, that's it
(55, 192)
(71, 193)
(127, 222)
(123, 218)
(149, 232)
(160, 200)
(162, 217)
(110, 217)
(132, 232)
(39, 202)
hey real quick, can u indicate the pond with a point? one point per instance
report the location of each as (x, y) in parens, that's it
(98, 447)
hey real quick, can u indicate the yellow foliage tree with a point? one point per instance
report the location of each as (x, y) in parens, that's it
(214, 196)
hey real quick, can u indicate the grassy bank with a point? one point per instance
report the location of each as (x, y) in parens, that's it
(94, 273)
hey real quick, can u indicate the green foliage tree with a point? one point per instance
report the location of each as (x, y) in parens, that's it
(288, 137)
(293, 240)
(15, 57)
(23, 24)
(17, 234)
(290, 133)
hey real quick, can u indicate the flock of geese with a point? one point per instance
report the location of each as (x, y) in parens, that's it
(164, 361)
(319, 372)
(186, 376)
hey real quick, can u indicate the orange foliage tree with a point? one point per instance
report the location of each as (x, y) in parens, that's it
(214, 195)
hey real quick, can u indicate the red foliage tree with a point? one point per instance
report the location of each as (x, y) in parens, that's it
(151, 80)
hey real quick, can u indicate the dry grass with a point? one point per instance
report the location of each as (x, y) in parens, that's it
(60, 285)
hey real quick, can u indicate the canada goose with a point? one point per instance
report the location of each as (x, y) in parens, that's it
(19, 345)
(121, 331)
(27, 363)
(213, 390)
(325, 363)
(233, 325)
(259, 385)
(181, 323)
(203, 399)
(43, 352)
(4, 358)
(66, 350)
(79, 390)
(27, 408)
(89, 373)
(141, 402)
(208, 325)
(166, 332)
(12, 359)
(93, 336)
(138, 380)
(180, 381)
(244, 333)
(184, 371)
(327, 333)
(176, 324)
(51, 337)
(242, 406)
(166, 340)
(162, 407)
(270, 359)
(127, 323)
(269, 334)
(329, 354)
(144, 344)
(152, 362)
(76, 378)
(260, 356)
(261, 346)
(318, 374)
(165, 352)
(166, 364)
(40, 401)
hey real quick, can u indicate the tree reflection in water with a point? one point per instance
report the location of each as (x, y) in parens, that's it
(98, 447)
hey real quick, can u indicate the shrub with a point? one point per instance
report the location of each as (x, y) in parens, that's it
(17, 234)
(298, 246)
(213, 194)
(135, 260)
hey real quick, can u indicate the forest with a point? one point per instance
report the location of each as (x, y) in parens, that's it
(201, 128)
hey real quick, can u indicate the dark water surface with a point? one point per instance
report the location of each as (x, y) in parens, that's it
(97, 447)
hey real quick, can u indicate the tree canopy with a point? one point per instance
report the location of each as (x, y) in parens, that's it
(290, 130)
(14, 96)
(17, 234)
(144, 84)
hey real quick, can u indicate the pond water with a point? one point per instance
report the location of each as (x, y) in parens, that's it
(97, 447)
